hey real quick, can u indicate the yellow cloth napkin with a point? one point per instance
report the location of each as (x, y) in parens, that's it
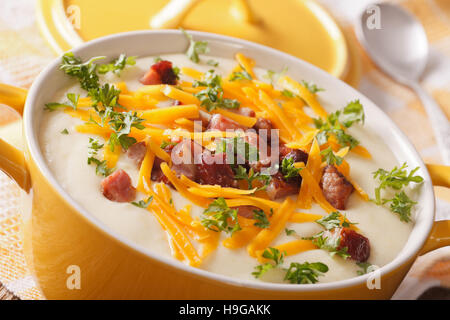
(23, 53)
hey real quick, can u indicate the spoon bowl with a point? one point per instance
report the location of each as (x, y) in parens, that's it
(399, 46)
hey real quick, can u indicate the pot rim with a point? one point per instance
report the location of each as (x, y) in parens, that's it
(32, 145)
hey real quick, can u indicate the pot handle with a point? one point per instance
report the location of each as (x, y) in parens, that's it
(439, 237)
(12, 160)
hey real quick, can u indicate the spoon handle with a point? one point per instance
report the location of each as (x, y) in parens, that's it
(439, 122)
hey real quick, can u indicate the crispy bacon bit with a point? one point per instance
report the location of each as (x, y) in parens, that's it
(264, 124)
(160, 73)
(358, 246)
(178, 103)
(279, 188)
(212, 172)
(183, 159)
(157, 174)
(137, 152)
(222, 123)
(246, 211)
(335, 187)
(117, 187)
(244, 111)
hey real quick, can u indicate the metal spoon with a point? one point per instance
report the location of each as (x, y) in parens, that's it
(400, 49)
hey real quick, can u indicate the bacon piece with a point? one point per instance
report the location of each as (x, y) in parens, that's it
(117, 187)
(264, 124)
(358, 246)
(296, 154)
(157, 174)
(246, 211)
(137, 152)
(279, 188)
(244, 111)
(213, 169)
(222, 123)
(335, 187)
(160, 73)
(183, 159)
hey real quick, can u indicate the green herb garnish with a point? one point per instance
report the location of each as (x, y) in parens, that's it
(305, 272)
(311, 87)
(364, 268)
(212, 63)
(65, 131)
(288, 170)
(396, 179)
(329, 243)
(85, 72)
(212, 97)
(337, 122)
(273, 76)
(143, 203)
(117, 65)
(334, 220)
(195, 47)
(240, 75)
(219, 217)
(240, 173)
(166, 143)
(330, 158)
(71, 103)
(261, 219)
(276, 258)
(290, 232)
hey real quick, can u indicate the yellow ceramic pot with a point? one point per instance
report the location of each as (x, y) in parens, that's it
(64, 241)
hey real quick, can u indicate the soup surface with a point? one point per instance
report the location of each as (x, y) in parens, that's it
(66, 148)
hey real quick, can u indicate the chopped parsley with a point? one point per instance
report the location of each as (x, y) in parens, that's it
(329, 243)
(195, 47)
(219, 217)
(365, 268)
(276, 257)
(330, 158)
(311, 87)
(288, 93)
(273, 76)
(336, 123)
(107, 95)
(101, 166)
(212, 96)
(65, 131)
(143, 203)
(397, 179)
(166, 143)
(290, 232)
(117, 65)
(240, 173)
(212, 63)
(85, 72)
(297, 273)
(240, 75)
(261, 219)
(305, 273)
(334, 220)
(288, 169)
(72, 103)
(402, 205)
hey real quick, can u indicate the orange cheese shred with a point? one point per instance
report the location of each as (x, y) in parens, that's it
(277, 223)
(200, 201)
(289, 248)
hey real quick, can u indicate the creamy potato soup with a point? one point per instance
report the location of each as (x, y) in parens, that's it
(321, 215)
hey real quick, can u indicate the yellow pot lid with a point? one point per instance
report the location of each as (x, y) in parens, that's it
(299, 27)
